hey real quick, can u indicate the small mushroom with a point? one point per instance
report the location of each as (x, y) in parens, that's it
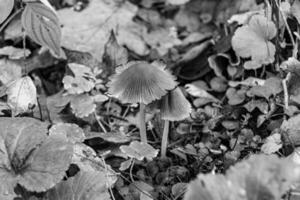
(173, 107)
(143, 83)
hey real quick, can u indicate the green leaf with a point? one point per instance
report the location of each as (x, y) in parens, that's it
(272, 86)
(85, 185)
(139, 150)
(6, 7)
(258, 177)
(72, 131)
(29, 157)
(253, 41)
(42, 25)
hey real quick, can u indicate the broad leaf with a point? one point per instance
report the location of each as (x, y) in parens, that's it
(85, 185)
(29, 157)
(139, 150)
(21, 95)
(42, 25)
(9, 71)
(253, 41)
(259, 177)
(82, 81)
(6, 7)
(72, 131)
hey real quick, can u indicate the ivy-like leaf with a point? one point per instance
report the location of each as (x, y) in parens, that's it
(42, 25)
(29, 157)
(6, 7)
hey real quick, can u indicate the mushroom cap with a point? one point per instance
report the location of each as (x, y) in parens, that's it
(141, 82)
(173, 106)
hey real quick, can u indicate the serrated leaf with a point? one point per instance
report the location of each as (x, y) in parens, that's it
(6, 7)
(253, 41)
(42, 25)
(82, 81)
(272, 144)
(85, 185)
(21, 95)
(87, 160)
(83, 105)
(71, 131)
(29, 157)
(139, 150)
(272, 86)
(258, 177)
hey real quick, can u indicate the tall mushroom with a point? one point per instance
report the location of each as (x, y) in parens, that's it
(141, 82)
(173, 107)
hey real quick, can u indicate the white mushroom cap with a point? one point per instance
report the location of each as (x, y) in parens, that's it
(174, 106)
(141, 82)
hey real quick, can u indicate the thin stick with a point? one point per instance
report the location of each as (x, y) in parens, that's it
(142, 122)
(100, 123)
(164, 141)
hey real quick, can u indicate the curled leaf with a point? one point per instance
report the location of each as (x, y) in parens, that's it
(22, 95)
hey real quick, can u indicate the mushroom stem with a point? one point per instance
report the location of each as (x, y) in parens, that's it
(142, 122)
(164, 141)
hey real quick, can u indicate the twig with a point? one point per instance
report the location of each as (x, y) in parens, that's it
(100, 123)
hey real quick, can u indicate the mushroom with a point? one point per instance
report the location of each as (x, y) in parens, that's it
(141, 82)
(173, 107)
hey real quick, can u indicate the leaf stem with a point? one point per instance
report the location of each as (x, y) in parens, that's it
(142, 123)
(164, 141)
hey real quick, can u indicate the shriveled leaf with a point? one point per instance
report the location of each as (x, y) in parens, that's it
(21, 95)
(71, 131)
(139, 150)
(114, 54)
(14, 53)
(125, 165)
(253, 41)
(272, 86)
(29, 157)
(196, 91)
(9, 71)
(42, 25)
(114, 137)
(87, 160)
(6, 7)
(85, 185)
(291, 127)
(82, 81)
(259, 177)
(177, 2)
(83, 105)
(295, 10)
(235, 97)
(272, 144)
(259, 104)
(251, 81)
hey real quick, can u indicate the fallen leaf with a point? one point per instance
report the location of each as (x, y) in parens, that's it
(21, 95)
(272, 144)
(14, 53)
